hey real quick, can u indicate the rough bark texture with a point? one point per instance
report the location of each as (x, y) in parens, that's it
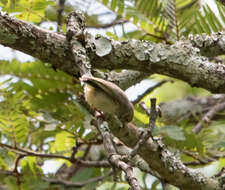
(181, 60)
(160, 159)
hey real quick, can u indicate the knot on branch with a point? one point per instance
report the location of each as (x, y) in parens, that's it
(75, 26)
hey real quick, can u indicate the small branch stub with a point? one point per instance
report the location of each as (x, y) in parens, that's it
(148, 133)
(76, 38)
(75, 26)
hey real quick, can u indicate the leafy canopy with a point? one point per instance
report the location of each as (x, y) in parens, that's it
(40, 109)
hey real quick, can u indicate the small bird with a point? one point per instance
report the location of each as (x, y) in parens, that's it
(107, 97)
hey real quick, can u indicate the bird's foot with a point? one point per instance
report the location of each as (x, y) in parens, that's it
(99, 115)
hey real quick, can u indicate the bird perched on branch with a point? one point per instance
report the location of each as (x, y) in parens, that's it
(107, 97)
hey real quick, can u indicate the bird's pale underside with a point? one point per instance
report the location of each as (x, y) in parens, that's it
(107, 97)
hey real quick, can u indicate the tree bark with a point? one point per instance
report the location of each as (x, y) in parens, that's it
(182, 60)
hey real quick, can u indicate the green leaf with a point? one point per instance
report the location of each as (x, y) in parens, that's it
(105, 2)
(11, 182)
(214, 19)
(221, 10)
(113, 186)
(32, 174)
(4, 2)
(155, 184)
(14, 122)
(63, 142)
(7, 158)
(173, 132)
(113, 4)
(120, 7)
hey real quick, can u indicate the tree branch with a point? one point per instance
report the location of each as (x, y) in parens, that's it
(220, 106)
(25, 152)
(148, 133)
(188, 108)
(76, 184)
(210, 46)
(181, 60)
(124, 79)
(60, 14)
(115, 159)
(162, 160)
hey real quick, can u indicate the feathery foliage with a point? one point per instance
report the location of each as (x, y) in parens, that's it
(40, 109)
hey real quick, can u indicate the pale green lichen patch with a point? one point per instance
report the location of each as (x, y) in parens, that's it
(154, 52)
(103, 46)
(140, 54)
(140, 50)
(222, 43)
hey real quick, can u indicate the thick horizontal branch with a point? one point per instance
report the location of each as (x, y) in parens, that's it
(45, 45)
(181, 60)
(124, 79)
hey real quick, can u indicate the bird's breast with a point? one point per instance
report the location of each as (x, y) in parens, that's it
(100, 100)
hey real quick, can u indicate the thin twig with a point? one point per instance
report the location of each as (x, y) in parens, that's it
(18, 158)
(60, 15)
(15, 170)
(8, 173)
(63, 182)
(74, 151)
(74, 184)
(197, 163)
(76, 167)
(155, 36)
(222, 171)
(148, 133)
(206, 119)
(25, 152)
(115, 159)
(145, 108)
(197, 160)
(87, 163)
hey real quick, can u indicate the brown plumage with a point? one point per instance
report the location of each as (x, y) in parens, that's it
(107, 97)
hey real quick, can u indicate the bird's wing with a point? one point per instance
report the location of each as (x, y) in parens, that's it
(114, 91)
